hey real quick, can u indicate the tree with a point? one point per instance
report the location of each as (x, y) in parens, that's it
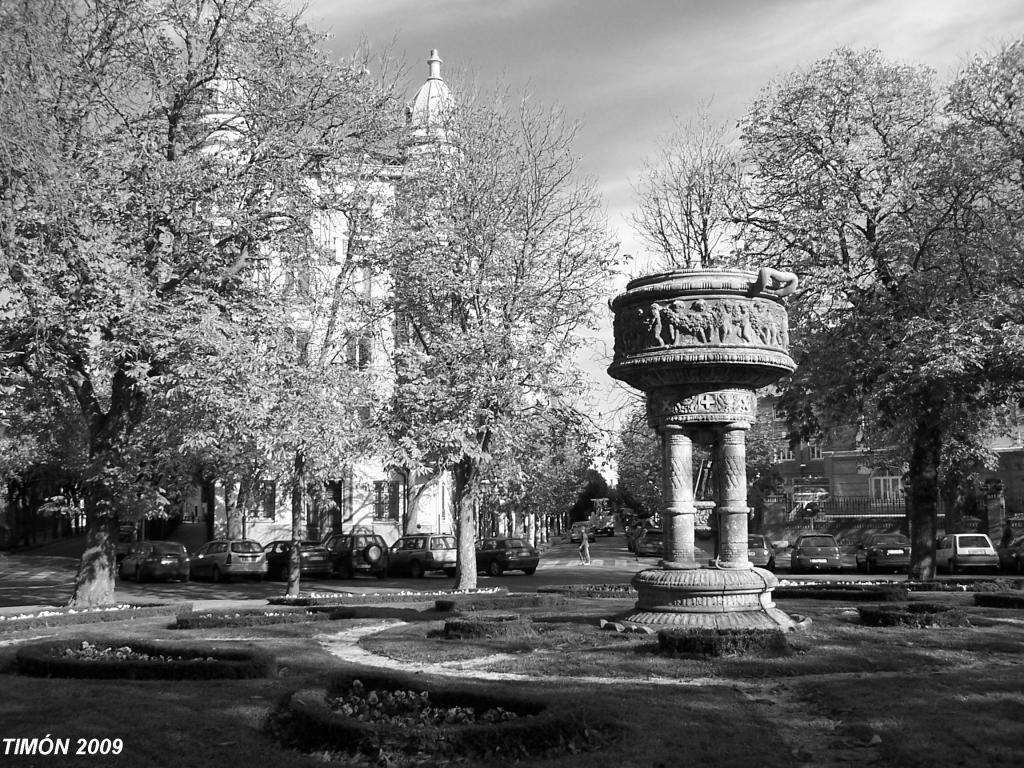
(496, 254)
(687, 194)
(881, 205)
(152, 155)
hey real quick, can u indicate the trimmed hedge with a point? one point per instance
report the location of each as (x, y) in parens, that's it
(488, 627)
(721, 642)
(69, 617)
(591, 590)
(309, 721)
(45, 659)
(849, 592)
(498, 602)
(999, 600)
(377, 598)
(247, 618)
(972, 585)
(913, 615)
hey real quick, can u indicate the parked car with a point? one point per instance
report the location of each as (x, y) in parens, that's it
(965, 551)
(495, 556)
(577, 530)
(422, 553)
(815, 552)
(760, 551)
(314, 559)
(222, 560)
(605, 525)
(890, 551)
(125, 539)
(1011, 557)
(147, 560)
(651, 543)
(353, 553)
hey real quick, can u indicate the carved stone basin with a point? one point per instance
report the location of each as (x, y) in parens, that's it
(699, 342)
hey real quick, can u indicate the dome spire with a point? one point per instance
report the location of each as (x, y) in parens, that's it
(434, 65)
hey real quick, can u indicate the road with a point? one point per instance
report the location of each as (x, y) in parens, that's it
(33, 578)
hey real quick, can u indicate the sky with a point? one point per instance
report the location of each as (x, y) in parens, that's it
(628, 69)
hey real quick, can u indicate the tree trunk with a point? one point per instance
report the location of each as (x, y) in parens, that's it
(465, 517)
(94, 583)
(295, 561)
(924, 496)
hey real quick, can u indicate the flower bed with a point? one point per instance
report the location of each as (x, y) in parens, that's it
(913, 615)
(140, 659)
(60, 617)
(592, 590)
(376, 713)
(498, 602)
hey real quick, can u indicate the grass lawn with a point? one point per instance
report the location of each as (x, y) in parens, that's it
(846, 694)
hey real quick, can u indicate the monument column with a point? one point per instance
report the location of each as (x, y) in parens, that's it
(732, 509)
(677, 487)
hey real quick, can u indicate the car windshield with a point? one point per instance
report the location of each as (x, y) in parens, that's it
(443, 542)
(653, 534)
(817, 541)
(973, 541)
(168, 548)
(894, 540)
(756, 541)
(514, 543)
(246, 547)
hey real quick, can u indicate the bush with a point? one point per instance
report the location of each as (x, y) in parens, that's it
(998, 600)
(183, 661)
(721, 642)
(913, 615)
(378, 598)
(592, 590)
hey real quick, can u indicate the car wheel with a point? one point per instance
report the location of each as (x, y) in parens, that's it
(494, 568)
(868, 567)
(771, 565)
(282, 573)
(138, 574)
(415, 569)
(373, 553)
(529, 571)
(217, 575)
(345, 570)
(449, 572)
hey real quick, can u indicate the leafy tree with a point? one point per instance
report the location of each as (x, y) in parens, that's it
(908, 309)
(152, 154)
(497, 253)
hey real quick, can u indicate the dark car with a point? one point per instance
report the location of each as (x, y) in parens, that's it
(495, 556)
(815, 552)
(760, 552)
(421, 553)
(883, 551)
(353, 553)
(1011, 557)
(650, 543)
(147, 560)
(314, 559)
(223, 559)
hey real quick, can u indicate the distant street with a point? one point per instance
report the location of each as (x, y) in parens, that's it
(37, 577)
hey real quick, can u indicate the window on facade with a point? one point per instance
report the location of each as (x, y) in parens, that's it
(358, 352)
(782, 452)
(888, 487)
(267, 507)
(813, 451)
(387, 498)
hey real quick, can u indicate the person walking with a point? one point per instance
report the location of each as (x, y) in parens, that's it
(585, 547)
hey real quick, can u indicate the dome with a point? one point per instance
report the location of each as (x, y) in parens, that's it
(433, 101)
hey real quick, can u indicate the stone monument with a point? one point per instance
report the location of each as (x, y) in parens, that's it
(698, 343)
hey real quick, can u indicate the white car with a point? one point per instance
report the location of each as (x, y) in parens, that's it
(966, 551)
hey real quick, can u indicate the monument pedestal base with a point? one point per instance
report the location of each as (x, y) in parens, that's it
(708, 598)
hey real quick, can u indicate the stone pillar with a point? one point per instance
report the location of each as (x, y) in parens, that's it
(732, 509)
(677, 486)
